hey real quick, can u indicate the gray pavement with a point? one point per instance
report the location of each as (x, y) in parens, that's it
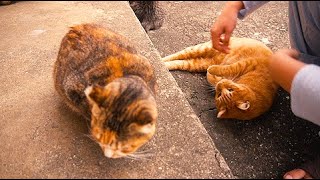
(41, 138)
(273, 143)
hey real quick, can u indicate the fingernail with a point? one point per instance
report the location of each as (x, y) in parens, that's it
(288, 177)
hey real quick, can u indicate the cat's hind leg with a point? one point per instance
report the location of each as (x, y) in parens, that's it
(192, 52)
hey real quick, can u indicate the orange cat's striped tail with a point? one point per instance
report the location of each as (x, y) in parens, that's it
(194, 58)
(203, 50)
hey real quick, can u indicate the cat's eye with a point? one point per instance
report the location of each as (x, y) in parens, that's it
(230, 89)
(219, 94)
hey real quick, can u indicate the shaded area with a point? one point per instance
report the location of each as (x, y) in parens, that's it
(263, 148)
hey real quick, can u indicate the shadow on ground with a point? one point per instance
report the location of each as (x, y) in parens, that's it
(266, 147)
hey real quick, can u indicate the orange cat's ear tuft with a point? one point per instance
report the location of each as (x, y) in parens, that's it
(93, 94)
(221, 112)
(243, 105)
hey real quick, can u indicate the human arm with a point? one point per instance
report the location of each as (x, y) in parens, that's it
(224, 25)
(249, 7)
(226, 22)
(301, 80)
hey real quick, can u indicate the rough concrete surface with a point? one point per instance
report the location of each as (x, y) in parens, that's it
(41, 138)
(271, 144)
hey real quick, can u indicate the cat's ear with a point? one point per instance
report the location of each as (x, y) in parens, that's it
(243, 105)
(94, 94)
(221, 112)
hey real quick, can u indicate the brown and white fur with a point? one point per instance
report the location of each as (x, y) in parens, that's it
(243, 85)
(100, 75)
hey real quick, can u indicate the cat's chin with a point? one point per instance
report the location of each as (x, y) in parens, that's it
(113, 155)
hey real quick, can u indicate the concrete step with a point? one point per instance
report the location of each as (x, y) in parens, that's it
(41, 138)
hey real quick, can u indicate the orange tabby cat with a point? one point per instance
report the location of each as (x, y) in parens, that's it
(102, 77)
(243, 85)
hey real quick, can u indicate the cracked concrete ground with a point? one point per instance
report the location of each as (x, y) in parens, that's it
(273, 143)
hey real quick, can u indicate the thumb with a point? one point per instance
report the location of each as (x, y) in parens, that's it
(291, 52)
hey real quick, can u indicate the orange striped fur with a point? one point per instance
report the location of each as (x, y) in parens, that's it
(243, 86)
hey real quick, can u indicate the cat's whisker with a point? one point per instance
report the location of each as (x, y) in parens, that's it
(88, 135)
(211, 89)
(133, 157)
(141, 155)
(92, 138)
(143, 152)
(129, 157)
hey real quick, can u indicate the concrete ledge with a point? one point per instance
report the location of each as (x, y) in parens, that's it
(41, 138)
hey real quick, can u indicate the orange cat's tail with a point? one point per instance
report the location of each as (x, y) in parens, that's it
(200, 50)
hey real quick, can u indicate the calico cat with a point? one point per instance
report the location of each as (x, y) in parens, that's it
(149, 13)
(100, 75)
(243, 86)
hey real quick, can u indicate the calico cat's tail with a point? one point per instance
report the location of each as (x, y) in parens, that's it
(203, 50)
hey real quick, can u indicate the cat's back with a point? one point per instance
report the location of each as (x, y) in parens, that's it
(247, 48)
(82, 59)
(236, 42)
(250, 45)
(84, 48)
(90, 43)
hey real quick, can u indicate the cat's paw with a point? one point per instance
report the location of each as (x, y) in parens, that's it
(213, 79)
(150, 15)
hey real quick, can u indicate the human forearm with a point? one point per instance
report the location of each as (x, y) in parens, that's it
(283, 67)
(300, 80)
(233, 7)
(249, 7)
(224, 26)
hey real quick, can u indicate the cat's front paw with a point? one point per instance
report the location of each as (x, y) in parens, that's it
(150, 15)
(213, 79)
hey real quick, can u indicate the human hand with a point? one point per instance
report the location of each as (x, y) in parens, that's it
(283, 66)
(225, 24)
(285, 53)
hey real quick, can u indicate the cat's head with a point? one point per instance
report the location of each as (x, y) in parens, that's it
(123, 116)
(235, 101)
